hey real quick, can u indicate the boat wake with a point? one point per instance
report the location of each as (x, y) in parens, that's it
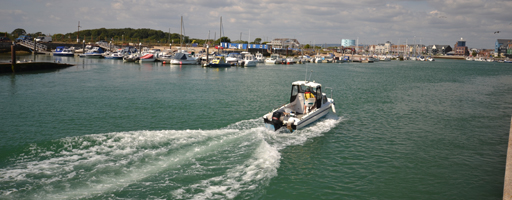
(236, 161)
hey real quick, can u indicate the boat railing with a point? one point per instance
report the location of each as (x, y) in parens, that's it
(331, 90)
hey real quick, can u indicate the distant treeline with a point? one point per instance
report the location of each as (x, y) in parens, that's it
(124, 35)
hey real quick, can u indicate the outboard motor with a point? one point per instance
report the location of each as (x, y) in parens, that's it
(276, 119)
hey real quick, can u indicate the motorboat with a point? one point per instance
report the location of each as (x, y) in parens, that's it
(183, 58)
(300, 112)
(372, 59)
(318, 59)
(64, 51)
(430, 59)
(260, 58)
(384, 58)
(121, 53)
(249, 60)
(274, 59)
(290, 61)
(233, 58)
(327, 59)
(304, 59)
(217, 62)
(95, 52)
(149, 57)
(131, 58)
(115, 55)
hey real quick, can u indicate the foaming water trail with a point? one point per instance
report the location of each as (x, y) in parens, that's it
(188, 164)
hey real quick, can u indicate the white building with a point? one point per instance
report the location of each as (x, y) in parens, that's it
(284, 43)
(381, 48)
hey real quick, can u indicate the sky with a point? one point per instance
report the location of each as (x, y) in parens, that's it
(428, 22)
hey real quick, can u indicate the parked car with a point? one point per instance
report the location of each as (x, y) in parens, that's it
(44, 39)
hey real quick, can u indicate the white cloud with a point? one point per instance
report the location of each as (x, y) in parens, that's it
(323, 21)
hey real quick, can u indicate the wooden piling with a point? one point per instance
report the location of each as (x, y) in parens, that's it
(13, 57)
(507, 186)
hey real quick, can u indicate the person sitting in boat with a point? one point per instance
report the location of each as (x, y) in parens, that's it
(308, 94)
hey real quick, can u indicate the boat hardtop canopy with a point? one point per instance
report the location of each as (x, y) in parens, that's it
(307, 83)
(180, 56)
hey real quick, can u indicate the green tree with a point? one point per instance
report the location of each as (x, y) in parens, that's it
(18, 32)
(222, 39)
(257, 41)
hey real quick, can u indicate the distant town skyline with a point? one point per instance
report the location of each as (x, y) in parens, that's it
(441, 22)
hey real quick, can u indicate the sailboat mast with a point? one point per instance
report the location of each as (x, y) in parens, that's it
(181, 32)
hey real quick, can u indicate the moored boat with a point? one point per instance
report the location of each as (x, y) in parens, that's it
(183, 58)
(274, 59)
(217, 62)
(149, 57)
(260, 58)
(307, 104)
(95, 52)
(63, 51)
(249, 60)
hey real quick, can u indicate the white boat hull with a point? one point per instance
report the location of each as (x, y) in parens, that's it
(306, 119)
(183, 62)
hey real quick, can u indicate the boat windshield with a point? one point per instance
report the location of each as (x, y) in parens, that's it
(180, 56)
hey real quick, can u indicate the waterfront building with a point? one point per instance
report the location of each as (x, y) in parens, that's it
(416, 49)
(509, 51)
(501, 46)
(460, 48)
(227, 45)
(399, 49)
(438, 49)
(382, 48)
(348, 42)
(485, 53)
(280, 43)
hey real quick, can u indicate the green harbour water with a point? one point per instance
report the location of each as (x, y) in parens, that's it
(104, 129)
